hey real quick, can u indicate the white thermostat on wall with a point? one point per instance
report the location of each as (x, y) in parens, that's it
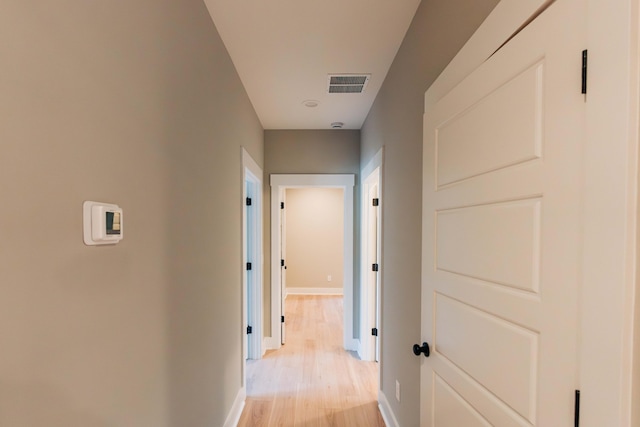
(102, 223)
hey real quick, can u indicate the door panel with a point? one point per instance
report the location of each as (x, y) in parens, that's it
(502, 189)
(496, 243)
(452, 409)
(506, 347)
(479, 139)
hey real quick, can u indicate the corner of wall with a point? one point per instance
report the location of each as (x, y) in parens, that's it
(236, 410)
(385, 410)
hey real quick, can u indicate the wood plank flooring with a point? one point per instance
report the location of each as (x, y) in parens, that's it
(312, 381)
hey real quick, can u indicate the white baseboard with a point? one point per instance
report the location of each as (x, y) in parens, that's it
(236, 410)
(313, 291)
(269, 343)
(386, 412)
(266, 345)
(352, 345)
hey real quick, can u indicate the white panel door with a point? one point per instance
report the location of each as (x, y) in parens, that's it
(501, 233)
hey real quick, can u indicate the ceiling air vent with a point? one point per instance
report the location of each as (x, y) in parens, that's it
(347, 83)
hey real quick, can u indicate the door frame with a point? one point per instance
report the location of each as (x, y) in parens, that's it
(609, 271)
(368, 303)
(252, 347)
(279, 183)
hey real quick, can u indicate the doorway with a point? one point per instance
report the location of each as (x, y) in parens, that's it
(252, 258)
(279, 185)
(313, 241)
(370, 267)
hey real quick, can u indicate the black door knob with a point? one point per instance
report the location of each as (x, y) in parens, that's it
(424, 349)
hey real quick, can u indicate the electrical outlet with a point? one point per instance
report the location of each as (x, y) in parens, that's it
(328, 278)
(398, 390)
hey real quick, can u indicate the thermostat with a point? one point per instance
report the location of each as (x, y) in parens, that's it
(102, 223)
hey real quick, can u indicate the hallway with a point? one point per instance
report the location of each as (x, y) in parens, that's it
(311, 380)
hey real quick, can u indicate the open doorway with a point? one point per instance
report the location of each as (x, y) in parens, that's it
(313, 238)
(312, 242)
(279, 186)
(371, 333)
(370, 267)
(252, 258)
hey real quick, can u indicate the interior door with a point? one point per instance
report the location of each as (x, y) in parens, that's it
(502, 191)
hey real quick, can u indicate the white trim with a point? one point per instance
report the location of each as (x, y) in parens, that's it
(373, 174)
(278, 184)
(249, 163)
(610, 214)
(610, 200)
(385, 410)
(252, 173)
(292, 290)
(236, 410)
(269, 343)
(375, 162)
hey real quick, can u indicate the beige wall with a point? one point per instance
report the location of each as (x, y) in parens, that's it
(308, 152)
(437, 32)
(315, 237)
(135, 103)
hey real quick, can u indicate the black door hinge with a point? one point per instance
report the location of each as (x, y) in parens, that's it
(374, 267)
(281, 319)
(281, 263)
(281, 205)
(576, 410)
(376, 202)
(249, 330)
(248, 201)
(584, 71)
(249, 266)
(374, 332)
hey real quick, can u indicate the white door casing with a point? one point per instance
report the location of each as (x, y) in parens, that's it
(502, 218)
(252, 253)
(371, 253)
(279, 183)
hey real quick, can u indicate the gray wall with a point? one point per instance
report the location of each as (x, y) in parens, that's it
(438, 31)
(315, 238)
(135, 103)
(308, 152)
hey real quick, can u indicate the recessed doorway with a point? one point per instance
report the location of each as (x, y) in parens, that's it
(279, 185)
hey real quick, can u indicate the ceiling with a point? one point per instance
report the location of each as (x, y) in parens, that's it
(283, 51)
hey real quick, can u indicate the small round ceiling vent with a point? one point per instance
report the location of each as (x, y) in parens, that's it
(337, 125)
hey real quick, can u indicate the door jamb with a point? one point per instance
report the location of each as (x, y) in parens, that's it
(253, 173)
(373, 167)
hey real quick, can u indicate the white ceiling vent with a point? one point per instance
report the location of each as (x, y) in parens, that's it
(347, 83)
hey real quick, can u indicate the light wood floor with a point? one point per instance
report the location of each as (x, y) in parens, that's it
(312, 380)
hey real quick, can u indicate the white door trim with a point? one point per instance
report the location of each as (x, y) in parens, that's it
(611, 193)
(373, 174)
(611, 183)
(252, 173)
(279, 183)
